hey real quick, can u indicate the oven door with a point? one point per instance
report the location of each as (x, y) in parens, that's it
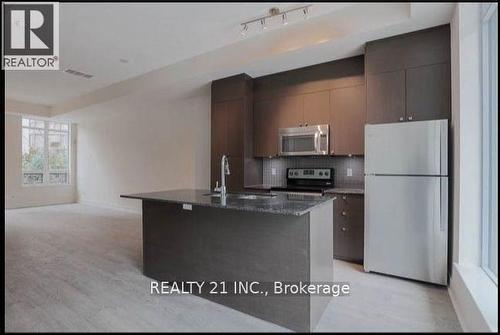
(304, 141)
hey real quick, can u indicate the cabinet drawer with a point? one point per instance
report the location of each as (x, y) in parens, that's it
(348, 227)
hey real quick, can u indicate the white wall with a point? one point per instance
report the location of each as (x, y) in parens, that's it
(17, 195)
(142, 144)
(474, 295)
(466, 104)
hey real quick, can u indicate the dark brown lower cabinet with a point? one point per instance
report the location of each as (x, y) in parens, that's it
(348, 227)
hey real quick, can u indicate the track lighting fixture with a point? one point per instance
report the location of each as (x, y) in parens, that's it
(274, 11)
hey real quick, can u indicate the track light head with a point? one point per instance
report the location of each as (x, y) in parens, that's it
(244, 30)
(263, 24)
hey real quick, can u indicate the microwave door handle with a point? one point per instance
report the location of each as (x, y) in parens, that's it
(317, 139)
(280, 144)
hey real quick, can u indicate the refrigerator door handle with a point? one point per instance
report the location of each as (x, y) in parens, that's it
(443, 222)
(443, 125)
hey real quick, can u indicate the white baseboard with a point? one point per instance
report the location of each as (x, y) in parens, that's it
(475, 299)
(55, 203)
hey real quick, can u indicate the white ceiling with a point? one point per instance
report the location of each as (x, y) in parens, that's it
(94, 37)
(196, 43)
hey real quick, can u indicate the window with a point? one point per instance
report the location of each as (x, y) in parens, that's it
(45, 152)
(490, 140)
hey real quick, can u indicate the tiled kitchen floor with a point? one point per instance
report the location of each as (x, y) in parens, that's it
(78, 268)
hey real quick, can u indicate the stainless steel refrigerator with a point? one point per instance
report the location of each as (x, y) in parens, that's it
(406, 200)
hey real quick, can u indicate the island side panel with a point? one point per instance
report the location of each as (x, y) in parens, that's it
(213, 244)
(321, 260)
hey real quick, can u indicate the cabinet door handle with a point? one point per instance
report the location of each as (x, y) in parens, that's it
(344, 213)
(410, 118)
(343, 228)
(344, 197)
(305, 124)
(334, 198)
(401, 118)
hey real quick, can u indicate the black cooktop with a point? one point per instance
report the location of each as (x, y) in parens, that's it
(315, 180)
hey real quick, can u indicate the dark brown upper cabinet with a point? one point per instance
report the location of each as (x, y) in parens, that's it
(290, 111)
(408, 77)
(311, 79)
(227, 139)
(266, 128)
(428, 92)
(385, 101)
(218, 131)
(347, 120)
(316, 108)
(235, 127)
(232, 132)
(302, 97)
(235, 181)
(401, 52)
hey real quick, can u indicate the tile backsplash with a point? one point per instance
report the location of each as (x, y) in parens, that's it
(274, 169)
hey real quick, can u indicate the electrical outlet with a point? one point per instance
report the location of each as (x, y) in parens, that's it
(273, 171)
(349, 172)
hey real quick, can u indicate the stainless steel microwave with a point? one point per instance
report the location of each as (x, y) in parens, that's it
(304, 141)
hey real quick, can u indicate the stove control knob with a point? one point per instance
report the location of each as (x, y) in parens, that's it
(320, 173)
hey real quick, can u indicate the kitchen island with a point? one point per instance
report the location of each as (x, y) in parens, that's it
(191, 235)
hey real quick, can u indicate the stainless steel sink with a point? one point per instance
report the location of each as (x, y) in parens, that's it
(251, 196)
(244, 196)
(214, 195)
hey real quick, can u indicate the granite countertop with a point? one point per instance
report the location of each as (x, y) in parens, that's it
(346, 190)
(279, 204)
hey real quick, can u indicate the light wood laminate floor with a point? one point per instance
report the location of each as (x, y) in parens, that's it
(78, 268)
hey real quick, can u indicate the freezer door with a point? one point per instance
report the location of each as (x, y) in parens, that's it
(406, 227)
(407, 148)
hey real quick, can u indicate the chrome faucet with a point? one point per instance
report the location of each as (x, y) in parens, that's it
(224, 170)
